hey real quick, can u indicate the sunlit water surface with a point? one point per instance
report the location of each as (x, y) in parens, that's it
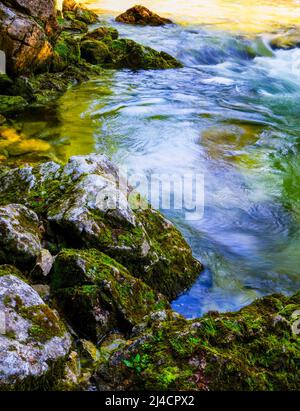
(229, 117)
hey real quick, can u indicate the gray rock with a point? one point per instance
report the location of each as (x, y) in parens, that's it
(33, 341)
(43, 266)
(19, 236)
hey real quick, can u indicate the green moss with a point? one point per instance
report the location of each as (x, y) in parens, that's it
(9, 104)
(253, 349)
(95, 52)
(85, 282)
(45, 323)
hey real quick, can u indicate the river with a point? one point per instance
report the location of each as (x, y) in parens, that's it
(227, 116)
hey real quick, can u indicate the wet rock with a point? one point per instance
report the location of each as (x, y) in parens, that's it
(41, 9)
(87, 204)
(96, 294)
(95, 52)
(140, 15)
(43, 267)
(245, 351)
(286, 41)
(33, 341)
(19, 236)
(102, 33)
(24, 42)
(74, 10)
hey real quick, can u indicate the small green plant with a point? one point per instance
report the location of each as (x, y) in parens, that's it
(138, 363)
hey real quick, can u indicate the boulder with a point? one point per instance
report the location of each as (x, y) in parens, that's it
(74, 10)
(33, 341)
(24, 42)
(95, 52)
(142, 16)
(124, 53)
(96, 294)
(89, 204)
(43, 267)
(41, 9)
(19, 236)
(254, 349)
(102, 33)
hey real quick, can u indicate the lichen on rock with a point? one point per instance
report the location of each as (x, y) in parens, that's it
(20, 239)
(33, 341)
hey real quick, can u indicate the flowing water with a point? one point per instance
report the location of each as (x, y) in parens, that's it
(225, 115)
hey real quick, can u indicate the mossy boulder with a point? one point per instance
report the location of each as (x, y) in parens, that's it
(67, 48)
(129, 54)
(74, 10)
(253, 349)
(34, 343)
(140, 15)
(86, 207)
(9, 104)
(97, 294)
(102, 33)
(20, 237)
(95, 52)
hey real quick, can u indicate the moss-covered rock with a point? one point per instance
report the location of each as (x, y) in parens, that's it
(34, 343)
(73, 10)
(86, 208)
(253, 349)
(102, 33)
(9, 104)
(67, 48)
(129, 54)
(97, 294)
(95, 52)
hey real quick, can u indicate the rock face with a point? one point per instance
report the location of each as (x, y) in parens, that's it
(33, 340)
(140, 15)
(23, 40)
(41, 9)
(19, 236)
(254, 349)
(96, 294)
(86, 206)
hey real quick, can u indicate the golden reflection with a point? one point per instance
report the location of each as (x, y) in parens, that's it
(239, 15)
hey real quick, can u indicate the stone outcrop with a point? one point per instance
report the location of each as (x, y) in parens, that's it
(142, 16)
(34, 343)
(24, 41)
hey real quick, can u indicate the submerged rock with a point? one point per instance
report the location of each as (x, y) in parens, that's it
(140, 15)
(33, 340)
(19, 236)
(86, 204)
(96, 294)
(253, 349)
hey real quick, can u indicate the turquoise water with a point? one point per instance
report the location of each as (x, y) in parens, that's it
(227, 116)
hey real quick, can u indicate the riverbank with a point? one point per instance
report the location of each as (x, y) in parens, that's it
(93, 286)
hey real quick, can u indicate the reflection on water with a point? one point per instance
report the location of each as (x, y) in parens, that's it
(227, 115)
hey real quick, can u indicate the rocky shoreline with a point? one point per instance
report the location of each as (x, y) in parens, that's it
(85, 288)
